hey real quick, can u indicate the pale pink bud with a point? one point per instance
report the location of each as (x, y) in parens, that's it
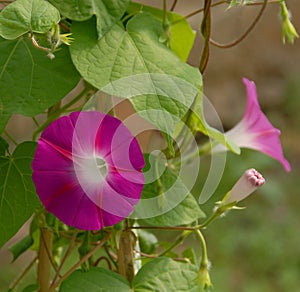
(246, 185)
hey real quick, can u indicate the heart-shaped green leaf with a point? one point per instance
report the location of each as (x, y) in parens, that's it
(133, 63)
(22, 16)
(161, 274)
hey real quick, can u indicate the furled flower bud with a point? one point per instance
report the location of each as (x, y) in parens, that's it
(246, 185)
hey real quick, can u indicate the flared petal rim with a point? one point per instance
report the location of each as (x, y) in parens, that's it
(255, 131)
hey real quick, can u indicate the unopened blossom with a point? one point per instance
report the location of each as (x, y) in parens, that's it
(245, 186)
(255, 131)
(87, 170)
(288, 29)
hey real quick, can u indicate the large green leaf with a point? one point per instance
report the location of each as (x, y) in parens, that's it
(95, 280)
(133, 63)
(182, 36)
(18, 199)
(108, 12)
(22, 16)
(29, 81)
(161, 274)
(166, 275)
(125, 53)
(166, 201)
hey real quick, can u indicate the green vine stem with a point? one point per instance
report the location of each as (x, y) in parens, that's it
(177, 241)
(174, 228)
(35, 121)
(10, 137)
(212, 218)
(204, 260)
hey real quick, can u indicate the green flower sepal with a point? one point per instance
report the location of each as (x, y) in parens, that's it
(288, 29)
(56, 39)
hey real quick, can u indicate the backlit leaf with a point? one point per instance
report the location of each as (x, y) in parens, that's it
(182, 36)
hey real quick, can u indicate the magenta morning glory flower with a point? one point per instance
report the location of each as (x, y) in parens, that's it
(255, 131)
(87, 170)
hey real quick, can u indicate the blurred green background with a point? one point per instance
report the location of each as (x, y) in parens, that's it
(256, 249)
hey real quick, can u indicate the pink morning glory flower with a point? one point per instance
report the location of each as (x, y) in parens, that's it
(87, 170)
(245, 186)
(255, 131)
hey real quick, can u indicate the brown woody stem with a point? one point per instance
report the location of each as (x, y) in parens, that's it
(44, 266)
(246, 33)
(205, 31)
(125, 253)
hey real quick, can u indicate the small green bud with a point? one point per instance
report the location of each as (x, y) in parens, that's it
(204, 278)
(288, 29)
(56, 39)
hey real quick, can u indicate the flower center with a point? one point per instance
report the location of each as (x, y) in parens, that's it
(101, 166)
